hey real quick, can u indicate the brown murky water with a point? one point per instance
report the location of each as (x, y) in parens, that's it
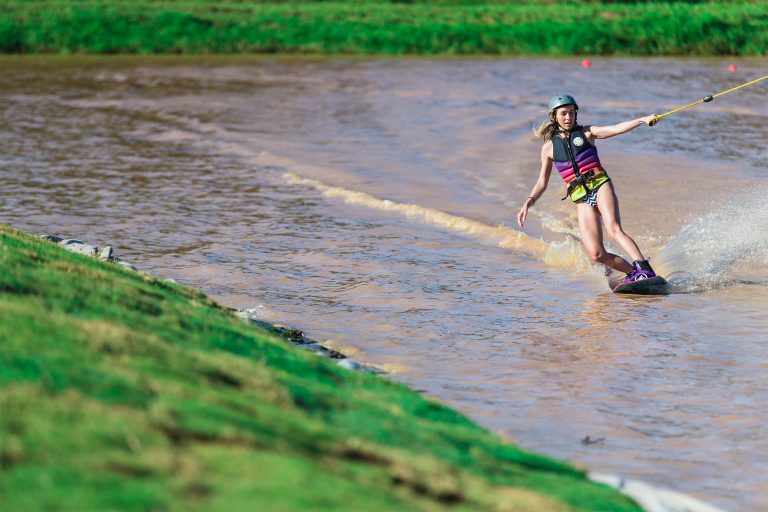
(372, 203)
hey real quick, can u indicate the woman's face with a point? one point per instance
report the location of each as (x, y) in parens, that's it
(566, 116)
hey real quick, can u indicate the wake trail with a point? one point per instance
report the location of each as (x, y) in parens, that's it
(559, 254)
(566, 254)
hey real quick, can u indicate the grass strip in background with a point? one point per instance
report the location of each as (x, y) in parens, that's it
(120, 391)
(457, 28)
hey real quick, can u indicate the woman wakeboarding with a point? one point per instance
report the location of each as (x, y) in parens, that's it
(571, 147)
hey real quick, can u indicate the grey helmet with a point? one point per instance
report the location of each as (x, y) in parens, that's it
(561, 100)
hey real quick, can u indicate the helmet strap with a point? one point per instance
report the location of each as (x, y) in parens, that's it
(553, 121)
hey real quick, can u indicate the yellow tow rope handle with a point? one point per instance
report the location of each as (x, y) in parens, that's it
(704, 100)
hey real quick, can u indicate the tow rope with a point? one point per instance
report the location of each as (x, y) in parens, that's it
(704, 100)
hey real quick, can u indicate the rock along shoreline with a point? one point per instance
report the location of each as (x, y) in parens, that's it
(249, 315)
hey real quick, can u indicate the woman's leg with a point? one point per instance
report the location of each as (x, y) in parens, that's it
(608, 204)
(592, 239)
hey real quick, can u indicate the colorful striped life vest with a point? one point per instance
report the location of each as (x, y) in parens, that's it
(576, 150)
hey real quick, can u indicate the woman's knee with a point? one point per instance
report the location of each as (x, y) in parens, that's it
(596, 254)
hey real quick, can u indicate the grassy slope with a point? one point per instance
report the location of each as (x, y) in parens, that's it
(505, 28)
(120, 391)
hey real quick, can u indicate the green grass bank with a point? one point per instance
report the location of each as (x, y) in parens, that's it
(543, 28)
(121, 391)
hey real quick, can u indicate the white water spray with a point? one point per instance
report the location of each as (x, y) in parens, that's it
(726, 247)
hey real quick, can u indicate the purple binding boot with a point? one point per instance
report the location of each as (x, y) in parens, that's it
(642, 270)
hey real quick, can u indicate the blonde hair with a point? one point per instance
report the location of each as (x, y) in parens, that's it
(546, 130)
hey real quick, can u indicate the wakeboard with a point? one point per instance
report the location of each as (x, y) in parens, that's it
(652, 286)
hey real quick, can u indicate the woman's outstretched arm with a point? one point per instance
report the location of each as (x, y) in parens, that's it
(604, 132)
